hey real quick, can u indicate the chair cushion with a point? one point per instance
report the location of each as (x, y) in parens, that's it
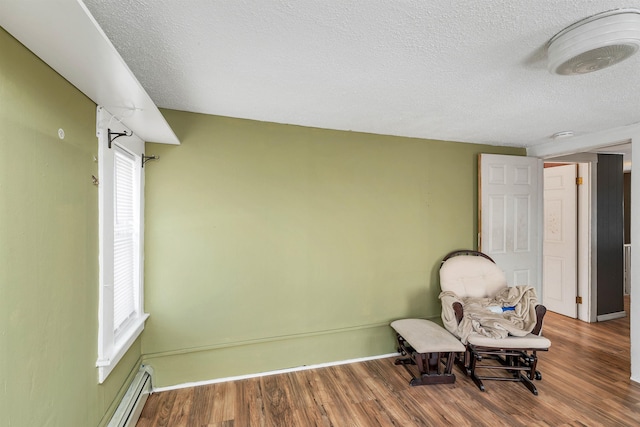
(471, 276)
(529, 341)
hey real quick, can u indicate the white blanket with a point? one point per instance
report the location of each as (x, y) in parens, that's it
(478, 317)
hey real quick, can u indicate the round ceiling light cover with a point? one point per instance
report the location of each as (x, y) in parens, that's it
(595, 43)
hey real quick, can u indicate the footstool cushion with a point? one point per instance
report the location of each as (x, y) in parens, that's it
(426, 336)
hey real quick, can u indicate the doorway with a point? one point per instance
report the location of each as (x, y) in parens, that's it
(583, 276)
(571, 263)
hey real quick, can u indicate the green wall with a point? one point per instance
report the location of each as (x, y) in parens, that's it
(49, 252)
(271, 246)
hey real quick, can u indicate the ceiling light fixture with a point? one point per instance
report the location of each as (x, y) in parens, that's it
(563, 134)
(595, 43)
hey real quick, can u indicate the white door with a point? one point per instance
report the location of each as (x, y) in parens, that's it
(559, 265)
(510, 214)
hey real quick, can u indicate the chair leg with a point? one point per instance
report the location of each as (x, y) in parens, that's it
(474, 358)
(463, 363)
(533, 374)
(528, 384)
(449, 363)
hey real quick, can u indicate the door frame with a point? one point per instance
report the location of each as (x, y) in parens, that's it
(565, 246)
(587, 232)
(580, 144)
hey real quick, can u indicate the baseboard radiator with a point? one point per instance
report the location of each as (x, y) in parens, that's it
(134, 399)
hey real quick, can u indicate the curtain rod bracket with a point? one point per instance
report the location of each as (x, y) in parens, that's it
(112, 136)
(145, 159)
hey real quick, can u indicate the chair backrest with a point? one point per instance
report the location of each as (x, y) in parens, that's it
(471, 276)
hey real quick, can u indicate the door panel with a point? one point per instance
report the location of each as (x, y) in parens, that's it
(559, 277)
(497, 219)
(509, 215)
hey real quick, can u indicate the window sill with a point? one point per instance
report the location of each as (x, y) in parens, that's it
(107, 362)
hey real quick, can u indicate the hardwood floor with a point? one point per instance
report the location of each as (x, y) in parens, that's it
(585, 383)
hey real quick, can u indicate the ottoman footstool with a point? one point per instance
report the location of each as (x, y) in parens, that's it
(428, 346)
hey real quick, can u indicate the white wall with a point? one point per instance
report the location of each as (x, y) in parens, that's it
(635, 260)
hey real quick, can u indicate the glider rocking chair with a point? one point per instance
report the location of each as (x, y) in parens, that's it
(503, 344)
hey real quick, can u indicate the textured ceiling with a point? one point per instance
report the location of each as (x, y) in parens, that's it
(472, 71)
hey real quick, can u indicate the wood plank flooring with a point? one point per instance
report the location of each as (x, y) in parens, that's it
(585, 383)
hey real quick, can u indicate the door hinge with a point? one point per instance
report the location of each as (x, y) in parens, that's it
(578, 300)
(579, 180)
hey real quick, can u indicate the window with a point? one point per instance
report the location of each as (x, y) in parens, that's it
(126, 260)
(121, 196)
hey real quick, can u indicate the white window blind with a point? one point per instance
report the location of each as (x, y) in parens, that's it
(125, 273)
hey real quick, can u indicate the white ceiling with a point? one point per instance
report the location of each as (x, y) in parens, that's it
(471, 71)
(63, 34)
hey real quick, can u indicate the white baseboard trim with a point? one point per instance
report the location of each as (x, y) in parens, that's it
(264, 374)
(611, 316)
